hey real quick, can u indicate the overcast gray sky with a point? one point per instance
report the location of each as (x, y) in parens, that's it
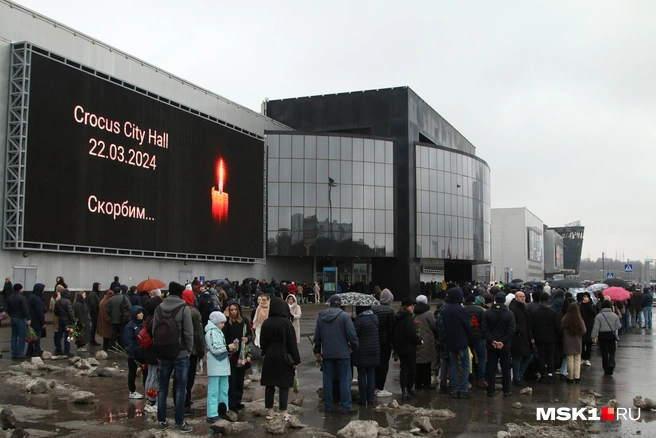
(559, 97)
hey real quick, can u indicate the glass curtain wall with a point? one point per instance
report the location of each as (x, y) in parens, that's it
(330, 196)
(453, 205)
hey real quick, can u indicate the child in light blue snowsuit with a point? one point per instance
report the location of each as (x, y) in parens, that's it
(218, 366)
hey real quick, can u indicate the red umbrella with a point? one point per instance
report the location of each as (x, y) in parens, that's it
(616, 293)
(150, 284)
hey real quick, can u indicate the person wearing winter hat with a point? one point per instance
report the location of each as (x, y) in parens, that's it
(476, 341)
(498, 330)
(457, 329)
(385, 315)
(218, 366)
(179, 364)
(426, 352)
(405, 342)
(197, 351)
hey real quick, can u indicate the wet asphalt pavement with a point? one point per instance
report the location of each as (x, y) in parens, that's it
(115, 415)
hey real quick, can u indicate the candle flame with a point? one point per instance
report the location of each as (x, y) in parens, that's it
(220, 172)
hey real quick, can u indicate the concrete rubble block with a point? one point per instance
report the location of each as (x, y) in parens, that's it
(100, 355)
(415, 431)
(81, 397)
(441, 414)
(255, 377)
(644, 403)
(229, 428)
(73, 360)
(503, 434)
(52, 384)
(276, 426)
(517, 405)
(613, 403)
(104, 372)
(231, 416)
(298, 401)
(37, 387)
(393, 404)
(61, 357)
(247, 383)
(47, 367)
(19, 433)
(295, 423)
(7, 419)
(423, 423)
(144, 434)
(82, 365)
(359, 429)
(588, 400)
(46, 355)
(526, 391)
(36, 361)
(93, 362)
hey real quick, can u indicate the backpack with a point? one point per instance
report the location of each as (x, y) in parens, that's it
(166, 335)
(144, 338)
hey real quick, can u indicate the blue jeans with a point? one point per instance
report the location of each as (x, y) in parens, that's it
(167, 367)
(520, 364)
(646, 316)
(478, 347)
(343, 369)
(463, 357)
(61, 332)
(18, 329)
(367, 383)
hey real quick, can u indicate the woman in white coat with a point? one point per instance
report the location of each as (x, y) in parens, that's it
(295, 310)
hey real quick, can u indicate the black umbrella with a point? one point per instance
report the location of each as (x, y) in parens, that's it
(249, 279)
(566, 284)
(617, 282)
(536, 283)
(517, 280)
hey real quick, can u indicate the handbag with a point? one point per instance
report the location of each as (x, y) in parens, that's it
(288, 357)
(617, 337)
(3, 315)
(256, 352)
(43, 332)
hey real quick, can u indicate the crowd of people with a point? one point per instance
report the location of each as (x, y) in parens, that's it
(522, 331)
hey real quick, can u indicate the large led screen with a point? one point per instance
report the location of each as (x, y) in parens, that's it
(111, 168)
(534, 245)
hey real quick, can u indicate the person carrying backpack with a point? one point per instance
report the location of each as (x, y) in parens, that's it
(173, 341)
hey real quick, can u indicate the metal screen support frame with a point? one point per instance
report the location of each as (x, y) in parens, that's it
(16, 158)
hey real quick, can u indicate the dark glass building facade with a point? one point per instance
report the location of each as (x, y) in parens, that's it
(376, 178)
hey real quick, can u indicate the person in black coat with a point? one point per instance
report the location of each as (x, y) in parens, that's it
(236, 327)
(476, 341)
(588, 313)
(367, 357)
(405, 342)
(385, 315)
(16, 308)
(457, 327)
(37, 317)
(276, 340)
(498, 330)
(93, 304)
(522, 340)
(545, 326)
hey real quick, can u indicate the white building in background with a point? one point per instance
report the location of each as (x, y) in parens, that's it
(517, 245)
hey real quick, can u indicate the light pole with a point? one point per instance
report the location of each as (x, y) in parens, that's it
(331, 184)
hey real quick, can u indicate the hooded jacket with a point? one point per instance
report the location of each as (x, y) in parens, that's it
(405, 338)
(385, 315)
(16, 306)
(64, 307)
(114, 307)
(237, 330)
(366, 328)
(427, 332)
(498, 325)
(456, 322)
(218, 363)
(81, 313)
(277, 341)
(295, 311)
(36, 308)
(132, 329)
(475, 313)
(334, 334)
(93, 299)
(588, 313)
(545, 324)
(182, 319)
(606, 321)
(521, 341)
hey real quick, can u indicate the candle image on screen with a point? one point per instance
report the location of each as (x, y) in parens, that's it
(219, 197)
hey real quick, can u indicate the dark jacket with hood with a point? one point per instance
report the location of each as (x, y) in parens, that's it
(132, 329)
(477, 312)
(115, 284)
(545, 324)
(64, 307)
(93, 299)
(366, 328)
(456, 322)
(521, 341)
(16, 306)
(334, 334)
(588, 313)
(237, 330)
(498, 325)
(37, 309)
(81, 313)
(277, 339)
(115, 306)
(182, 319)
(427, 332)
(405, 338)
(151, 304)
(385, 315)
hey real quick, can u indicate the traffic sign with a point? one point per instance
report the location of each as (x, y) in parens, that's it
(610, 275)
(628, 267)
